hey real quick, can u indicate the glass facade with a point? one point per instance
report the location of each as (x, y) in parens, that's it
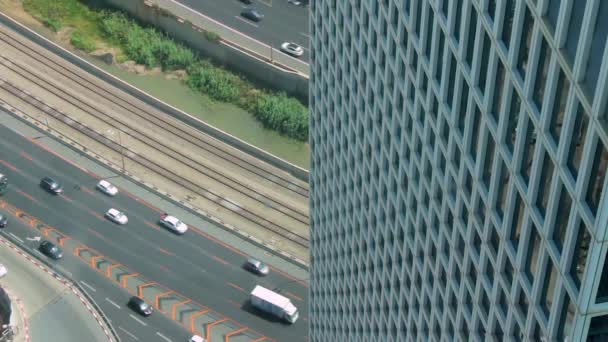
(458, 172)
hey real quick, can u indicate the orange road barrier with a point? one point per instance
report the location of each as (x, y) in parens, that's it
(194, 316)
(174, 307)
(210, 325)
(227, 337)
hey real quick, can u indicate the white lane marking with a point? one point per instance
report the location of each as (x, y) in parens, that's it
(111, 302)
(267, 4)
(139, 320)
(305, 35)
(163, 337)
(128, 333)
(89, 286)
(246, 21)
(16, 237)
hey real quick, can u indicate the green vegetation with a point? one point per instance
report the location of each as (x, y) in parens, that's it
(212, 36)
(153, 48)
(82, 42)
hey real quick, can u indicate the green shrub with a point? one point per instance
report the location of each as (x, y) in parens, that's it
(212, 36)
(146, 45)
(284, 114)
(218, 83)
(82, 42)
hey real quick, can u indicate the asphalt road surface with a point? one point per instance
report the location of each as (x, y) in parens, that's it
(283, 22)
(196, 266)
(110, 298)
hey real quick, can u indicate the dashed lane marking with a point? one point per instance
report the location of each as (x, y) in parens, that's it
(163, 337)
(111, 302)
(128, 333)
(88, 286)
(139, 320)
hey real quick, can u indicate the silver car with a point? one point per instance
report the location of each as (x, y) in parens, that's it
(116, 216)
(107, 188)
(292, 49)
(173, 223)
(257, 267)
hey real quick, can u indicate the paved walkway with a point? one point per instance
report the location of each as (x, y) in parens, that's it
(43, 305)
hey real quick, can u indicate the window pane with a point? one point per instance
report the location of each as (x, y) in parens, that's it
(470, 51)
(502, 190)
(541, 74)
(489, 160)
(579, 259)
(562, 216)
(574, 29)
(596, 179)
(498, 90)
(548, 287)
(545, 184)
(517, 221)
(513, 120)
(596, 54)
(578, 140)
(524, 45)
(531, 260)
(528, 151)
(485, 60)
(566, 319)
(507, 25)
(559, 108)
(476, 122)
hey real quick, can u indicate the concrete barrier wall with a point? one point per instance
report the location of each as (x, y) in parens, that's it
(253, 66)
(231, 140)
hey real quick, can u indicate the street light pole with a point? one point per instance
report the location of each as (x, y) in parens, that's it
(122, 151)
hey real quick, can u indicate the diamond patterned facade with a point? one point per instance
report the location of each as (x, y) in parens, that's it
(458, 175)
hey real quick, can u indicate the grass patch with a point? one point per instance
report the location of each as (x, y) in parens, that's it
(82, 42)
(153, 48)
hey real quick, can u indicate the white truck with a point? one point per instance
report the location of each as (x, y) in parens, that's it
(273, 303)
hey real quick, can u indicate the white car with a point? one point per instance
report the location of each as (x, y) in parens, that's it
(196, 338)
(173, 223)
(107, 188)
(3, 270)
(116, 216)
(292, 49)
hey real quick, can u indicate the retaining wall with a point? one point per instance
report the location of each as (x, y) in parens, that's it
(231, 140)
(248, 63)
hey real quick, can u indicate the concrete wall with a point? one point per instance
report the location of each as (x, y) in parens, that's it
(295, 170)
(250, 64)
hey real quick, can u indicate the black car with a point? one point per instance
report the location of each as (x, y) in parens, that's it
(140, 306)
(3, 221)
(49, 249)
(248, 2)
(51, 185)
(252, 14)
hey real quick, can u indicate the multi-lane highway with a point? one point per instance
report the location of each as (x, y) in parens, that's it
(282, 21)
(196, 269)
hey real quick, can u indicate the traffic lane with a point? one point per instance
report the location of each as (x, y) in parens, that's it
(23, 153)
(278, 26)
(105, 293)
(221, 297)
(143, 229)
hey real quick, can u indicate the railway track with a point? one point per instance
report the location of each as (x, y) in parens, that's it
(151, 165)
(146, 138)
(213, 147)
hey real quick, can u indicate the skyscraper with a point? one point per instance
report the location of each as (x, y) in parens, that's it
(459, 156)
